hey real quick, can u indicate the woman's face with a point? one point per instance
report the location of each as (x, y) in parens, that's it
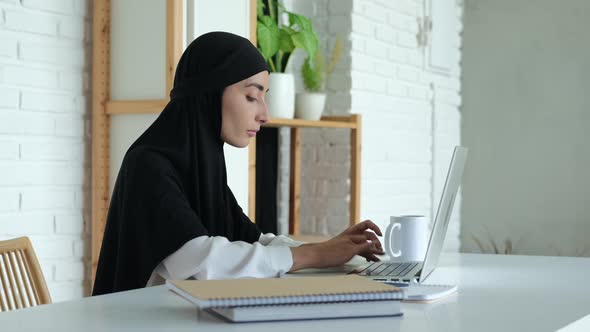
(243, 110)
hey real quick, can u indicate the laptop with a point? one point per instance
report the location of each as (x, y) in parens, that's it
(419, 271)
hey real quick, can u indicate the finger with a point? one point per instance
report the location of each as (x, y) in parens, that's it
(377, 251)
(373, 238)
(362, 248)
(359, 239)
(374, 250)
(371, 258)
(367, 245)
(367, 224)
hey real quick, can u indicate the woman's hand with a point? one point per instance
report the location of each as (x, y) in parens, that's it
(356, 240)
(365, 228)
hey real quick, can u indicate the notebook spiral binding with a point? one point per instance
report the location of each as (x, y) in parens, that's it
(320, 298)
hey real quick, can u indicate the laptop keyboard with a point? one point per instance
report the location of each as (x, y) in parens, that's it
(388, 269)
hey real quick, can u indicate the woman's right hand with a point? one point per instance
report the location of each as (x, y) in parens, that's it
(334, 252)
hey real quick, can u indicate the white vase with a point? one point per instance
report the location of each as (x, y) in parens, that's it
(280, 98)
(310, 105)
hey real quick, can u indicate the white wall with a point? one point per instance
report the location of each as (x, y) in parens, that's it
(138, 49)
(526, 120)
(410, 115)
(207, 15)
(44, 143)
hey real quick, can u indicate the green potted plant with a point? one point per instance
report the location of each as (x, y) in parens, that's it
(277, 42)
(310, 104)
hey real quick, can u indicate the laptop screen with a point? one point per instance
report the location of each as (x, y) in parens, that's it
(443, 214)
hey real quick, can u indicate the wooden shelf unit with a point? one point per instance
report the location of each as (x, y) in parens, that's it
(353, 122)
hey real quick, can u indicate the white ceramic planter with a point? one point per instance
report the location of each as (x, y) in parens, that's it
(310, 105)
(280, 98)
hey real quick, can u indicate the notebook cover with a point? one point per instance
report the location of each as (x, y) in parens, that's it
(204, 290)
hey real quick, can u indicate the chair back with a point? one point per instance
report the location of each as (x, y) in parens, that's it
(22, 284)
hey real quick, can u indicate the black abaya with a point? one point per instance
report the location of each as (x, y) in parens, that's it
(172, 185)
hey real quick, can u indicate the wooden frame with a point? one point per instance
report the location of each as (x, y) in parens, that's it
(174, 45)
(135, 106)
(103, 106)
(352, 122)
(100, 125)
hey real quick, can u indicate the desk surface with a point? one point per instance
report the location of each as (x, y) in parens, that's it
(496, 293)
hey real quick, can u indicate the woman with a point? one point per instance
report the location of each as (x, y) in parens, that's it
(172, 215)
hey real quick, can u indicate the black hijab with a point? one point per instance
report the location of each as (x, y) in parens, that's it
(172, 185)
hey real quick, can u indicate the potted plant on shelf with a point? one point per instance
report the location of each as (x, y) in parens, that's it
(277, 42)
(309, 105)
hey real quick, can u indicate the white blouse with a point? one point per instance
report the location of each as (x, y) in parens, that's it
(215, 257)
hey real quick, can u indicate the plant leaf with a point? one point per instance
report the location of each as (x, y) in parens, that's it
(304, 37)
(273, 9)
(286, 41)
(335, 56)
(494, 246)
(508, 247)
(288, 30)
(479, 244)
(302, 22)
(267, 33)
(306, 40)
(312, 77)
(260, 8)
(319, 61)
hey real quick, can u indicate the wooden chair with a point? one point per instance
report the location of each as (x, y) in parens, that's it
(21, 279)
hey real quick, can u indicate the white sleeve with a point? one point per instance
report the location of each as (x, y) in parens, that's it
(269, 239)
(216, 257)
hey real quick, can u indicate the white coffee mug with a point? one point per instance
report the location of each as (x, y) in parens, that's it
(406, 238)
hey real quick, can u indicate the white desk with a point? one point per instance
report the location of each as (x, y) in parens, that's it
(496, 293)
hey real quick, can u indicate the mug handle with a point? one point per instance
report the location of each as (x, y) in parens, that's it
(389, 236)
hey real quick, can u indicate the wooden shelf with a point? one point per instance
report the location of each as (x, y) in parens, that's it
(325, 122)
(352, 122)
(135, 106)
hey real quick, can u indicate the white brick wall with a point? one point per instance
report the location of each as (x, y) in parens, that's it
(410, 118)
(44, 150)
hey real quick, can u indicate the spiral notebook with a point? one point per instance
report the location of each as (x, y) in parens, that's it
(308, 311)
(274, 291)
(241, 300)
